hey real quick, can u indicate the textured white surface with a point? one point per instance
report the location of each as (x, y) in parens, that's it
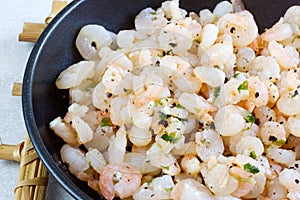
(13, 58)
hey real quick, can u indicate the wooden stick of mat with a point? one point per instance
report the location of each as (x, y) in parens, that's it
(32, 31)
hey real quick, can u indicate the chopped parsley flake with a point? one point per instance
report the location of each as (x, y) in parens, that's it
(169, 189)
(198, 110)
(105, 122)
(149, 182)
(217, 92)
(162, 115)
(251, 168)
(179, 106)
(279, 142)
(243, 86)
(253, 154)
(166, 167)
(169, 137)
(153, 13)
(250, 118)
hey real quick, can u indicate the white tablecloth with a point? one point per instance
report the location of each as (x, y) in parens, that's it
(13, 58)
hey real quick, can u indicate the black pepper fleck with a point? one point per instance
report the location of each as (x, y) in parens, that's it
(272, 138)
(232, 29)
(256, 94)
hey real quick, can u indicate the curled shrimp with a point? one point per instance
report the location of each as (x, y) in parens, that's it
(241, 26)
(280, 31)
(119, 179)
(90, 39)
(287, 57)
(190, 189)
(258, 92)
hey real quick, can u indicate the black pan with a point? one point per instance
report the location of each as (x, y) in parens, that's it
(55, 50)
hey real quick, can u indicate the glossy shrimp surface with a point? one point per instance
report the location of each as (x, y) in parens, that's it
(186, 106)
(120, 179)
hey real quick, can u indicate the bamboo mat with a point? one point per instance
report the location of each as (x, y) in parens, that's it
(33, 176)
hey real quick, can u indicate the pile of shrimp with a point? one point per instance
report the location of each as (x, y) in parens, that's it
(186, 106)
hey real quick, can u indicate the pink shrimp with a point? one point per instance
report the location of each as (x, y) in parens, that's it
(121, 179)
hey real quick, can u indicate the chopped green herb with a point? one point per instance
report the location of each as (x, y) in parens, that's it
(158, 102)
(217, 92)
(105, 101)
(198, 110)
(179, 106)
(251, 168)
(166, 167)
(243, 86)
(246, 180)
(295, 38)
(105, 122)
(149, 182)
(115, 179)
(236, 75)
(250, 118)
(202, 141)
(253, 154)
(279, 142)
(90, 86)
(169, 189)
(169, 137)
(153, 13)
(162, 115)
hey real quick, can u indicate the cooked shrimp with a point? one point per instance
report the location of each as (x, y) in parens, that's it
(265, 67)
(258, 92)
(190, 164)
(287, 57)
(275, 189)
(157, 188)
(112, 78)
(64, 131)
(76, 161)
(289, 102)
(264, 114)
(190, 189)
(139, 137)
(172, 34)
(213, 77)
(117, 147)
(273, 133)
(250, 144)
(292, 15)
(241, 26)
(219, 54)
(90, 39)
(289, 177)
(209, 36)
(280, 31)
(246, 183)
(273, 93)
(119, 179)
(222, 8)
(195, 104)
(75, 74)
(229, 121)
(209, 143)
(96, 159)
(282, 156)
(293, 124)
(244, 57)
(206, 17)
